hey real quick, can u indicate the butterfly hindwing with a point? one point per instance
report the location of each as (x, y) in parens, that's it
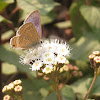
(26, 37)
(25, 43)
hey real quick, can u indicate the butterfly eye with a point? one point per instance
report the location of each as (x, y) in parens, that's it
(13, 45)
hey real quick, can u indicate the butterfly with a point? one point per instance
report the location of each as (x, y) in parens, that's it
(29, 34)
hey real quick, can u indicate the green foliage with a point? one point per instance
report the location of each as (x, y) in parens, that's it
(44, 6)
(85, 23)
(92, 15)
(79, 25)
(52, 96)
(64, 24)
(45, 19)
(68, 93)
(7, 34)
(4, 3)
(2, 19)
(32, 89)
(8, 69)
(29, 91)
(12, 57)
(84, 46)
(81, 86)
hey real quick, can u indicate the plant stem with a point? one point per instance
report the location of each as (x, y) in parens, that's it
(95, 76)
(1, 97)
(59, 96)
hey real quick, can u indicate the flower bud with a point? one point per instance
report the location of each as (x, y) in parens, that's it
(18, 88)
(96, 53)
(17, 82)
(97, 61)
(10, 86)
(7, 97)
(91, 57)
(75, 73)
(4, 90)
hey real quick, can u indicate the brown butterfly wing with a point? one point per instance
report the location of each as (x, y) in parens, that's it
(26, 37)
(35, 19)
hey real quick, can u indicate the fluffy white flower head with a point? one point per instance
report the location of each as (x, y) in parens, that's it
(47, 54)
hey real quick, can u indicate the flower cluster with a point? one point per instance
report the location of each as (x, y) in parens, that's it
(95, 59)
(46, 56)
(13, 90)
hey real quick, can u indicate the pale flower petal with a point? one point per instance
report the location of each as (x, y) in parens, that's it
(48, 69)
(36, 66)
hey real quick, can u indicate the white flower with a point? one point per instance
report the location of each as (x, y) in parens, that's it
(28, 58)
(36, 66)
(10, 86)
(32, 56)
(48, 53)
(63, 49)
(48, 60)
(60, 59)
(47, 69)
(50, 47)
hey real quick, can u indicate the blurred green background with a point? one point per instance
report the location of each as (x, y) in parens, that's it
(74, 21)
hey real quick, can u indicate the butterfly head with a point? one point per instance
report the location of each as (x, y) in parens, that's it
(13, 42)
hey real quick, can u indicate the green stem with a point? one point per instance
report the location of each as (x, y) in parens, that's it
(94, 79)
(1, 96)
(59, 96)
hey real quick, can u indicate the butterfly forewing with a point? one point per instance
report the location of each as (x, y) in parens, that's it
(34, 18)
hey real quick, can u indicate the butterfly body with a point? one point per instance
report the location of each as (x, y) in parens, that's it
(27, 35)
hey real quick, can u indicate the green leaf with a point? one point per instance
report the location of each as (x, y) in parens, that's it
(29, 91)
(34, 88)
(68, 93)
(2, 19)
(45, 8)
(8, 69)
(7, 1)
(4, 3)
(11, 56)
(79, 25)
(7, 34)
(52, 96)
(82, 23)
(64, 24)
(92, 16)
(81, 86)
(84, 47)
(48, 18)
(40, 84)
(44, 92)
